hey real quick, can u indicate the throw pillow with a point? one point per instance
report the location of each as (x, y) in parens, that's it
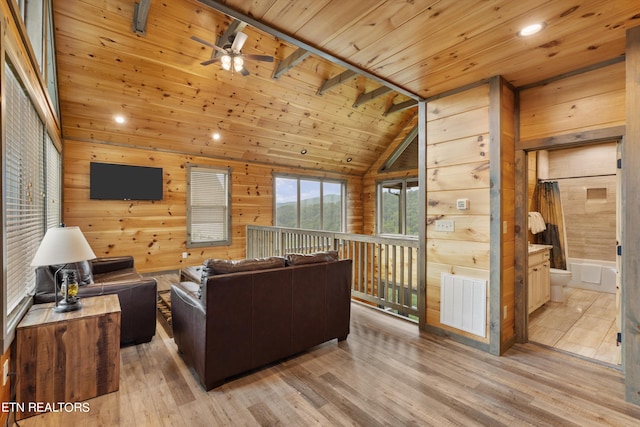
(300, 259)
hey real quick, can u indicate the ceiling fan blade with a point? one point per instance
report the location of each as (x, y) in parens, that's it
(210, 61)
(206, 43)
(244, 72)
(265, 58)
(238, 41)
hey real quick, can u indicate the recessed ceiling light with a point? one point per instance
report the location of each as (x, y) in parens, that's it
(303, 151)
(119, 119)
(532, 29)
(216, 136)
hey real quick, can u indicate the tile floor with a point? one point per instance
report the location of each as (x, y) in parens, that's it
(584, 324)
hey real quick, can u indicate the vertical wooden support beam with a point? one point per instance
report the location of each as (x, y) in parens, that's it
(521, 311)
(521, 249)
(495, 226)
(422, 215)
(631, 222)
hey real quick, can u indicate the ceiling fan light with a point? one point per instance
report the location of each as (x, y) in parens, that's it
(225, 61)
(238, 63)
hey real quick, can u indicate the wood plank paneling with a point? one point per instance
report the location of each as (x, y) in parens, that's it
(506, 311)
(171, 102)
(453, 123)
(584, 102)
(154, 232)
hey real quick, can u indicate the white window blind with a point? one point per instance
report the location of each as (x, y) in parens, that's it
(24, 190)
(208, 206)
(53, 170)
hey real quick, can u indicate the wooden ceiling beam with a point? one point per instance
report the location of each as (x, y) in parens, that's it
(401, 106)
(234, 28)
(370, 96)
(289, 62)
(341, 78)
(223, 8)
(140, 15)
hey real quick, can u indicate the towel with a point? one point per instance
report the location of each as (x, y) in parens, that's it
(536, 223)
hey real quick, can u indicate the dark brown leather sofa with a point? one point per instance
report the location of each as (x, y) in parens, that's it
(112, 275)
(234, 322)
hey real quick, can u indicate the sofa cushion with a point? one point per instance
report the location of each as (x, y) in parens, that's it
(300, 259)
(213, 267)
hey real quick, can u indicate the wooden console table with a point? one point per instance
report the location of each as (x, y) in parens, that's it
(64, 358)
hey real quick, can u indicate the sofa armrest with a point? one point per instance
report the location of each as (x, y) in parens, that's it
(107, 264)
(138, 304)
(189, 324)
(186, 294)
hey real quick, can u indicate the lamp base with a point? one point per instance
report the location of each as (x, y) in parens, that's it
(65, 306)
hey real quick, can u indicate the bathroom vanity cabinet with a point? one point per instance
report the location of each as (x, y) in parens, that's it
(538, 277)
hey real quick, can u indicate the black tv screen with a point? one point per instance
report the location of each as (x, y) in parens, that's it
(110, 181)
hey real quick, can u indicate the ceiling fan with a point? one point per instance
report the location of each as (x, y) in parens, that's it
(230, 56)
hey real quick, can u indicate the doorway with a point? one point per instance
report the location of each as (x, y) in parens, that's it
(584, 317)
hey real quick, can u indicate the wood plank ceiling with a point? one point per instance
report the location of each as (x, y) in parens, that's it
(423, 48)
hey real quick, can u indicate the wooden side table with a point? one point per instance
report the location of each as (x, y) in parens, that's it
(65, 358)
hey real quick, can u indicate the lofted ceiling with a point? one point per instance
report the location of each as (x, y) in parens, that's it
(402, 50)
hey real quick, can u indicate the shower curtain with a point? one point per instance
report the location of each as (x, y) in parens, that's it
(546, 200)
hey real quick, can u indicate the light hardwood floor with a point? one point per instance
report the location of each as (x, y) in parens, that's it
(585, 324)
(385, 373)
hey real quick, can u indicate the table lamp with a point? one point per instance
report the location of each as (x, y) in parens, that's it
(63, 246)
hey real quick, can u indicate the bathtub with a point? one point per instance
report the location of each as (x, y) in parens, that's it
(592, 274)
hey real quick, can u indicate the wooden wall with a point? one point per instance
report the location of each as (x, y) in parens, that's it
(457, 168)
(507, 214)
(154, 232)
(590, 222)
(587, 101)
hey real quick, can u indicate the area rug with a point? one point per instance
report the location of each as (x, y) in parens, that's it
(164, 305)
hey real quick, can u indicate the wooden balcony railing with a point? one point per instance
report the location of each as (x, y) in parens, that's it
(384, 268)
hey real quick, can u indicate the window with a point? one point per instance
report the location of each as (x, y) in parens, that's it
(33, 17)
(208, 206)
(309, 203)
(398, 207)
(51, 72)
(24, 188)
(53, 170)
(30, 162)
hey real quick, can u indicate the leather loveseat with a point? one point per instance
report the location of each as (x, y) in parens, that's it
(246, 314)
(111, 275)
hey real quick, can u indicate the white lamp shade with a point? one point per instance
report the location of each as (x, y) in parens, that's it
(62, 245)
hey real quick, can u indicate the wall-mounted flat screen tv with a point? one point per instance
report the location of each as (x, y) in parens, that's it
(109, 181)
